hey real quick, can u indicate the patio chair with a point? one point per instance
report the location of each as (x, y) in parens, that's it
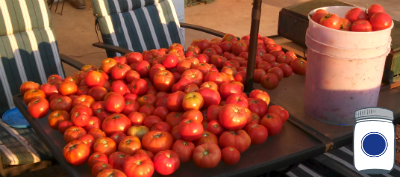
(28, 52)
(139, 25)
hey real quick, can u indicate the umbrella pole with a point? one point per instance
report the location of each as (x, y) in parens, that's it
(255, 24)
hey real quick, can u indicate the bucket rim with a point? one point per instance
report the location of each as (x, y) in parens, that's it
(348, 32)
(345, 58)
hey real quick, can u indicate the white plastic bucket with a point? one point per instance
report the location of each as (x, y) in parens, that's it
(344, 70)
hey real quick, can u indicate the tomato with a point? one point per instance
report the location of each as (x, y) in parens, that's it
(174, 118)
(239, 140)
(137, 118)
(217, 49)
(143, 68)
(230, 155)
(118, 72)
(380, 21)
(102, 115)
(355, 14)
(83, 100)
(174, 101)
(104, 145)
(191, 88)
(202, 44)
(270, 81)
(228, 89)
(272, 47)
(209, 97)
(119, 87)
(213, 112)
(155, 141)
(258, 73)
(175, 133)
(203, 68)
(115, 123)
(218, 61)
(64, 125)
(232, 63)
(80, 117)
(111, 172)
(277, 71)
(207, 137)
(318, 14)
(55, 96)
(190, 130)
(147, 109)
(161, 126)
(287, 70)
(108, 64)
(257, 133)
(96, 133)
(83, 90)
(183, 66)
(345, 24)
(88, 139)
(117, 159)
(258, 106)
(114, 102)
(272, 122)
(170, 61)
(233, 117)
(229, 70)
(38, 107)
(374, 8)
(49, 89)
(299, 66)
(194, 76)
(151, 121)
(131, 75)
(147, 153)
(130, 106)
(195, 115)
(194, 48)
(73, 133)
(97, 157)
(56, 117)
(264, 66)
(148, 99)
(210, 52)
(203, 58)
(117, 137)
(282, 113)
(207, 155)
(184, 149)
(331, 21)
(99, 167)
(361, 26)
(139, 165)
(133, 57)
(166, 162)
(163, 80)
(138, 131)
(192, 101)
(32, 94)
(76, 152)
(215, 127)
(28, 85)
(98, 93)
(273, 64)
(239, 47)
(237, 99)
(94, 78)
(94, 122)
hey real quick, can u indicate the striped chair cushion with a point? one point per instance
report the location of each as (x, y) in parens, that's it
(137, 25)
(28, 49)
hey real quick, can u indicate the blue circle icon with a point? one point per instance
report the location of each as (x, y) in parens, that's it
(374, 144)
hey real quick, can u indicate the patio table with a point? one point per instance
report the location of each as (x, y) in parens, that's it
(301, 137)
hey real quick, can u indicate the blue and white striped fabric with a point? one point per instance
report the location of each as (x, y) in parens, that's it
(137, 25)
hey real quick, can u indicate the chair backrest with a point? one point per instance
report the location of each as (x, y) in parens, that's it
(137, 25)
(28, 48)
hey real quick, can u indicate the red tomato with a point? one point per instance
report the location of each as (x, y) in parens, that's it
(215, 127)
(331, 21)
(183, 66)
(98, 93)
(190, 130)
(228, 89)
(133, 57)
(115, 123)
(108, 64)
(130, 106)
(80, 117)
(210, 52)
(73, 133)
(120, 60)
(111, 172)
(207, 137)
(213, 112)
(143, 68)
(237, 99)
(138, 131)
(28, 85)
(207, 155)
(272, 47)
(317, 15)
(361, 26)
(83, 90)
(148, 99)
(97, 157)
(374, 8)
(270, 81)
(161, 126)
(174, 118)
(258, 133)
(132, 75)
(210, 85)
(83, 100)
(239, 140)
(139, 165)
(137, 118)
(299, 66)
(163, 80)
(272, 122)
(117, 159)
(239, 47)
(88, 139)
(210, 97)
(117, 137)
(99, 167)
(32, 94)
(119, 87)
(194, 76)
(203, 58)
(192, 101)
(184, 149)
(233, 117)
(277, 71)
(38, 107)
(345, 24)
(195, 115)
(170, 61)
(155, 141)
(94, 78)
(76, 152)
(147, 109)
(174, 101)
(104, 145)
(229, 70)
(282, 113)
(166, 162)
(151, 121)
(258, 106)
(49, 89)
(114, 102)
(380, 21)
(218, 61)
(118, 72)
(138, 87)
(161, 112)
(64, 125)
(96, 133)
(230, 155)
(287, 70)
(355, 14)
(258, 73)
(194, 48)
(56, 117)
(129, 145)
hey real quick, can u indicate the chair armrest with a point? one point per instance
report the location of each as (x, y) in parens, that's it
(203, 29)
(112, 48)
(72, 62)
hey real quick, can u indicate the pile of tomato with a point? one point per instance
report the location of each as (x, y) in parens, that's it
(374, 19)
(151, 111)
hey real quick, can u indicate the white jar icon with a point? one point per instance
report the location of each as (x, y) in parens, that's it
(374, 141)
